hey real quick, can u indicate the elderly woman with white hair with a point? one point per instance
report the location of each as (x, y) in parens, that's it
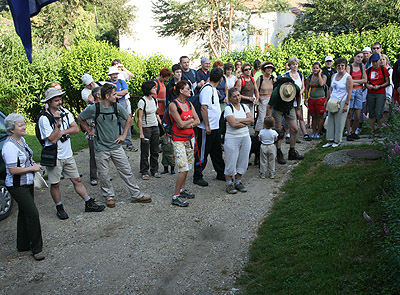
(20, 171)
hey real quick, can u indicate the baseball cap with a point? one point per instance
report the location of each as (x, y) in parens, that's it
(367, 49)
(328, 58)
(375, 56)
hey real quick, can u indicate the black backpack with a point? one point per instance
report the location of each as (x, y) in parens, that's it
(195, 100)
(144, 110)
(98, 113)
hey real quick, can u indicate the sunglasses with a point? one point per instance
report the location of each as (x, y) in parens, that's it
(375, 48)
(248, 69)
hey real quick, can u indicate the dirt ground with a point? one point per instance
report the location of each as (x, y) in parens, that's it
(142, 249)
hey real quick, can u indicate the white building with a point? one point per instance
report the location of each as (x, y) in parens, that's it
(145, 41)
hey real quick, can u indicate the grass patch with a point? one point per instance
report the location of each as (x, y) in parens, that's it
(78, 141)
(315, 241)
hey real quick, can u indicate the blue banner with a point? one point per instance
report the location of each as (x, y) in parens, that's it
(22, 11)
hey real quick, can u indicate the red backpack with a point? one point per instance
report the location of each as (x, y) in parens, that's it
(244, 81)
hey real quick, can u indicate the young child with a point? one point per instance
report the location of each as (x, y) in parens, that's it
(167, 154)
(268, 136)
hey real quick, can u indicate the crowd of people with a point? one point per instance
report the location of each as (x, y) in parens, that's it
(192, 114)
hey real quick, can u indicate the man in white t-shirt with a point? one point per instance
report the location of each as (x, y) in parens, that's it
(58, 134)
(208, 134)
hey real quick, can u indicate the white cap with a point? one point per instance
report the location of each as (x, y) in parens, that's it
(113, 70)
(367, 49)
(87, 79)
(328, 58)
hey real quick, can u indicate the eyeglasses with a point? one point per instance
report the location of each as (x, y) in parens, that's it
(248, 69)
(374, 48)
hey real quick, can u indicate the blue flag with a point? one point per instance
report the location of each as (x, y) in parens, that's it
(22, 11)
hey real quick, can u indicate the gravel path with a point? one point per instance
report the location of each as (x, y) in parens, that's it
(142, 249)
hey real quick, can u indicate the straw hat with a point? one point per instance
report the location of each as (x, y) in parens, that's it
(287, 91)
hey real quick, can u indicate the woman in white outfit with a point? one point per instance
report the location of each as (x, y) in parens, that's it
(341, 90)
(237, 141)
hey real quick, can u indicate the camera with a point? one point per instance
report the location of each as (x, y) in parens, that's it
(65, 137)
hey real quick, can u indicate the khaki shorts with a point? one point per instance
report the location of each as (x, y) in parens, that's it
(278, 116)
(66, 167)
(184, 155)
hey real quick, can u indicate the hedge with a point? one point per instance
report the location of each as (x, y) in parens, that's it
(312, 48)
(22, 85)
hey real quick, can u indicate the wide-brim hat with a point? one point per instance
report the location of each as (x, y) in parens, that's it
(113, 70)
(51, 93)
(287, 91)
(267, 64)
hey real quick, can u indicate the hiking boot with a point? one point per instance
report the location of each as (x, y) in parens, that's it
(355, 136)
(280, 157)
(240, 187)
(110, 203)
(350, 138)
(230, 189)
(294, 155)
(262, 175)
(186, 194)
(178, 201)
(200, 182)
(91, 206)
(61, 212)
(142, 199)
(271, 175)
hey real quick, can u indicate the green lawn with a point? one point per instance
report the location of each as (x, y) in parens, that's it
(316, 241)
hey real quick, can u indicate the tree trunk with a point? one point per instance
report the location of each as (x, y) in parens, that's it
(231, 9)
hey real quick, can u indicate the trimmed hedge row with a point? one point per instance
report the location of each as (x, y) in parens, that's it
(312, 48)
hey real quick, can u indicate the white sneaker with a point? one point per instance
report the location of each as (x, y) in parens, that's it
(327, 145)
(335, 145)
(271, 175)
(358, 131)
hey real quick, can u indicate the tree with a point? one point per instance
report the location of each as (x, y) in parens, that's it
(60, 22)
(211, 20)
(346, 15)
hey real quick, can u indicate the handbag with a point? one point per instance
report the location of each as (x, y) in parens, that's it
(39, 181)
(49, 156)
(333, 105)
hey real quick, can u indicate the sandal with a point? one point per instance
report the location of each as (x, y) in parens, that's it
(157, 175)
(307, 137)
(145, 177)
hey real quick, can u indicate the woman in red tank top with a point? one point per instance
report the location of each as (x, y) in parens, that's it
(184, 119)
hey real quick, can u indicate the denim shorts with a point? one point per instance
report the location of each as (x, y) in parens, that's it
(356, 99)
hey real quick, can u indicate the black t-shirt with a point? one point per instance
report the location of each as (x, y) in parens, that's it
(328, 74)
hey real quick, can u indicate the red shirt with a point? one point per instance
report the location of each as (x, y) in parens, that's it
(375, 77)
(185, 134)
(160, 97)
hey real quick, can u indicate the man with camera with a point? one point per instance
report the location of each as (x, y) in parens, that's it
(59, 134)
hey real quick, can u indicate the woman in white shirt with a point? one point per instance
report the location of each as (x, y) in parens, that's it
(20, 171)
(341, 90)
(237, 141)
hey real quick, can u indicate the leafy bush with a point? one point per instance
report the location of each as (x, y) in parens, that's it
(311, 48)
(389, 242)
(22, 85)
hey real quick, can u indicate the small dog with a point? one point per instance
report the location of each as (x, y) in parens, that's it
(255, 149)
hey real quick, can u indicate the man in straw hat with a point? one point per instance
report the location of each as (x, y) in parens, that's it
(281, 106)
(58, 133)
